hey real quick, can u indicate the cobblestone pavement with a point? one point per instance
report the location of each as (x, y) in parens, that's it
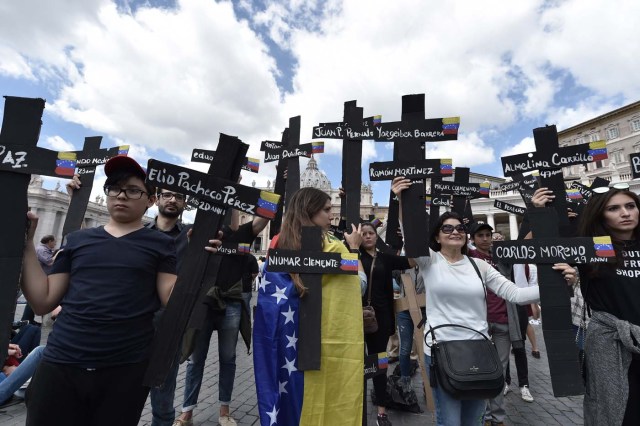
(545, 410)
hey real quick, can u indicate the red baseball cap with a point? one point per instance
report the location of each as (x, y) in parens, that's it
(124, 163)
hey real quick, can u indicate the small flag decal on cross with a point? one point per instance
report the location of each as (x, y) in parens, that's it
(317, 147)
(574, 194)
(349, 262)
(243, 248)
(446, 166)
(377, 120)
(268, 204)
(427, 200)
(450, 125)
(598, 150)
(66, 163)
(603, 246)
(253, 164)
(383, 361)
(485, 187)
(123, 150)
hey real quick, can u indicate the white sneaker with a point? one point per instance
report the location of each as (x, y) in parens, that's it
(506, 390)
(526, 395)
(227, 421)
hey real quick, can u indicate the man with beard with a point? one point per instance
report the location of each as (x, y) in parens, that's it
(170, 208)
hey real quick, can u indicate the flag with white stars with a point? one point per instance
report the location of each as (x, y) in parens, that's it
(278, 382)
(287, 396)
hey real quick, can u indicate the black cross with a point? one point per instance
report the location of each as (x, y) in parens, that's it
(409, 136)
(216, 192)
(545, 250)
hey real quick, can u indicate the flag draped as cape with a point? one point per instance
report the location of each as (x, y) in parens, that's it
(332, 395)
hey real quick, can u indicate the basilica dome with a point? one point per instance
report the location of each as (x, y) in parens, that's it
(314, 177)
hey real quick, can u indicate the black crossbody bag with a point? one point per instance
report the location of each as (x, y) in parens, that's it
(466, 369)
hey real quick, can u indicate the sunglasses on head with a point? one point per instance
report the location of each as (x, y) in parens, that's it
(605, 189)
(448, 229)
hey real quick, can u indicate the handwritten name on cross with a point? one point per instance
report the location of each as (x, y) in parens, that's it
(199, 269)
(351, 161)
(206, 156)
(87, 160)
(545, 250)
(311, 262)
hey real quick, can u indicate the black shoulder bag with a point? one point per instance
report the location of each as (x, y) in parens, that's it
(466, 369)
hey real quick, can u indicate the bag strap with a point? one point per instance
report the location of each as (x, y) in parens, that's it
(370, 282)
(484, 288)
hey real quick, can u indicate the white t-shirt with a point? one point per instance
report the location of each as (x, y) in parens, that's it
(455, 295)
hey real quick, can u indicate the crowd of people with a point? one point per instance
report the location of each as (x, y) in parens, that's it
(113, 281)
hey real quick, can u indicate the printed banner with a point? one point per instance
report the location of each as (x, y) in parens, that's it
(511, 208)
(387, 170)
(581, 250)
(311, 262)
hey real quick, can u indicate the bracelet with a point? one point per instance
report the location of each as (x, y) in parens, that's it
(354, 250)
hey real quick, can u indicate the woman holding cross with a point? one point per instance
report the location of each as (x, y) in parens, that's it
(333, 394)
(611, 291)
(455, 294)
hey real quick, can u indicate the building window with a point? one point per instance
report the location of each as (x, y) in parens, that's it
(635, 125)
(612, 133)
(591, 166)
(618, 156)
(593, 137)
(580, 140)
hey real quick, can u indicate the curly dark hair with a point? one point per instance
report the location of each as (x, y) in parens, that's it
(433, 242)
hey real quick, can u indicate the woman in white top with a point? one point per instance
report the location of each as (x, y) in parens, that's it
(455, 295)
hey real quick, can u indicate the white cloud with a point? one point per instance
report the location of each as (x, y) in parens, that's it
(57, 143)
(525, 145)
(469, 150)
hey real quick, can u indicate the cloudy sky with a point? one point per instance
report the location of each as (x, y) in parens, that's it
(168, 76)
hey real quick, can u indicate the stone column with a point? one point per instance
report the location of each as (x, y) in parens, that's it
(513, 226)
(491, 221)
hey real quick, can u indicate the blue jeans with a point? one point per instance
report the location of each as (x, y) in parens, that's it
(162, 411)
(453, 412)
(21, 374)
(405, 332)
(227, 340)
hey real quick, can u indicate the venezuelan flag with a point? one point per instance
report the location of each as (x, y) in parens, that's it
(485, 187)
(66, 164)
(123, 150)
(317, 147)
(377, 120)
(450, 125)
(574, 194)
(603, 246)
(428, 200)
(376, 222)
(253, 164)
(598, 150)
(267, 204)
(446, 166)
(349, 262)
(383, 361)
(287, 396)
(244, 248)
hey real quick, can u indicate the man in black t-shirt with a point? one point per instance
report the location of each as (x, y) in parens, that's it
(110, 281)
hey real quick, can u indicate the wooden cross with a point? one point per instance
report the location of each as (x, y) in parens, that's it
(461, 191)
(545, 250)
(216, 191)
(87, 160)
(310, 314)
(279, 186)
(409, 136)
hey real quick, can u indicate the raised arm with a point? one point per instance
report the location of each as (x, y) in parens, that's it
(42, 292)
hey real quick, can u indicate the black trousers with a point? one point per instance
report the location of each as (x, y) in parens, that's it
(520, 354)
(60, 394)
(376, 343)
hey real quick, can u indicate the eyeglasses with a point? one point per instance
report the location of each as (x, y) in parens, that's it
(448, 229)
(169, 195)
(605, 189)
(130, 193)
